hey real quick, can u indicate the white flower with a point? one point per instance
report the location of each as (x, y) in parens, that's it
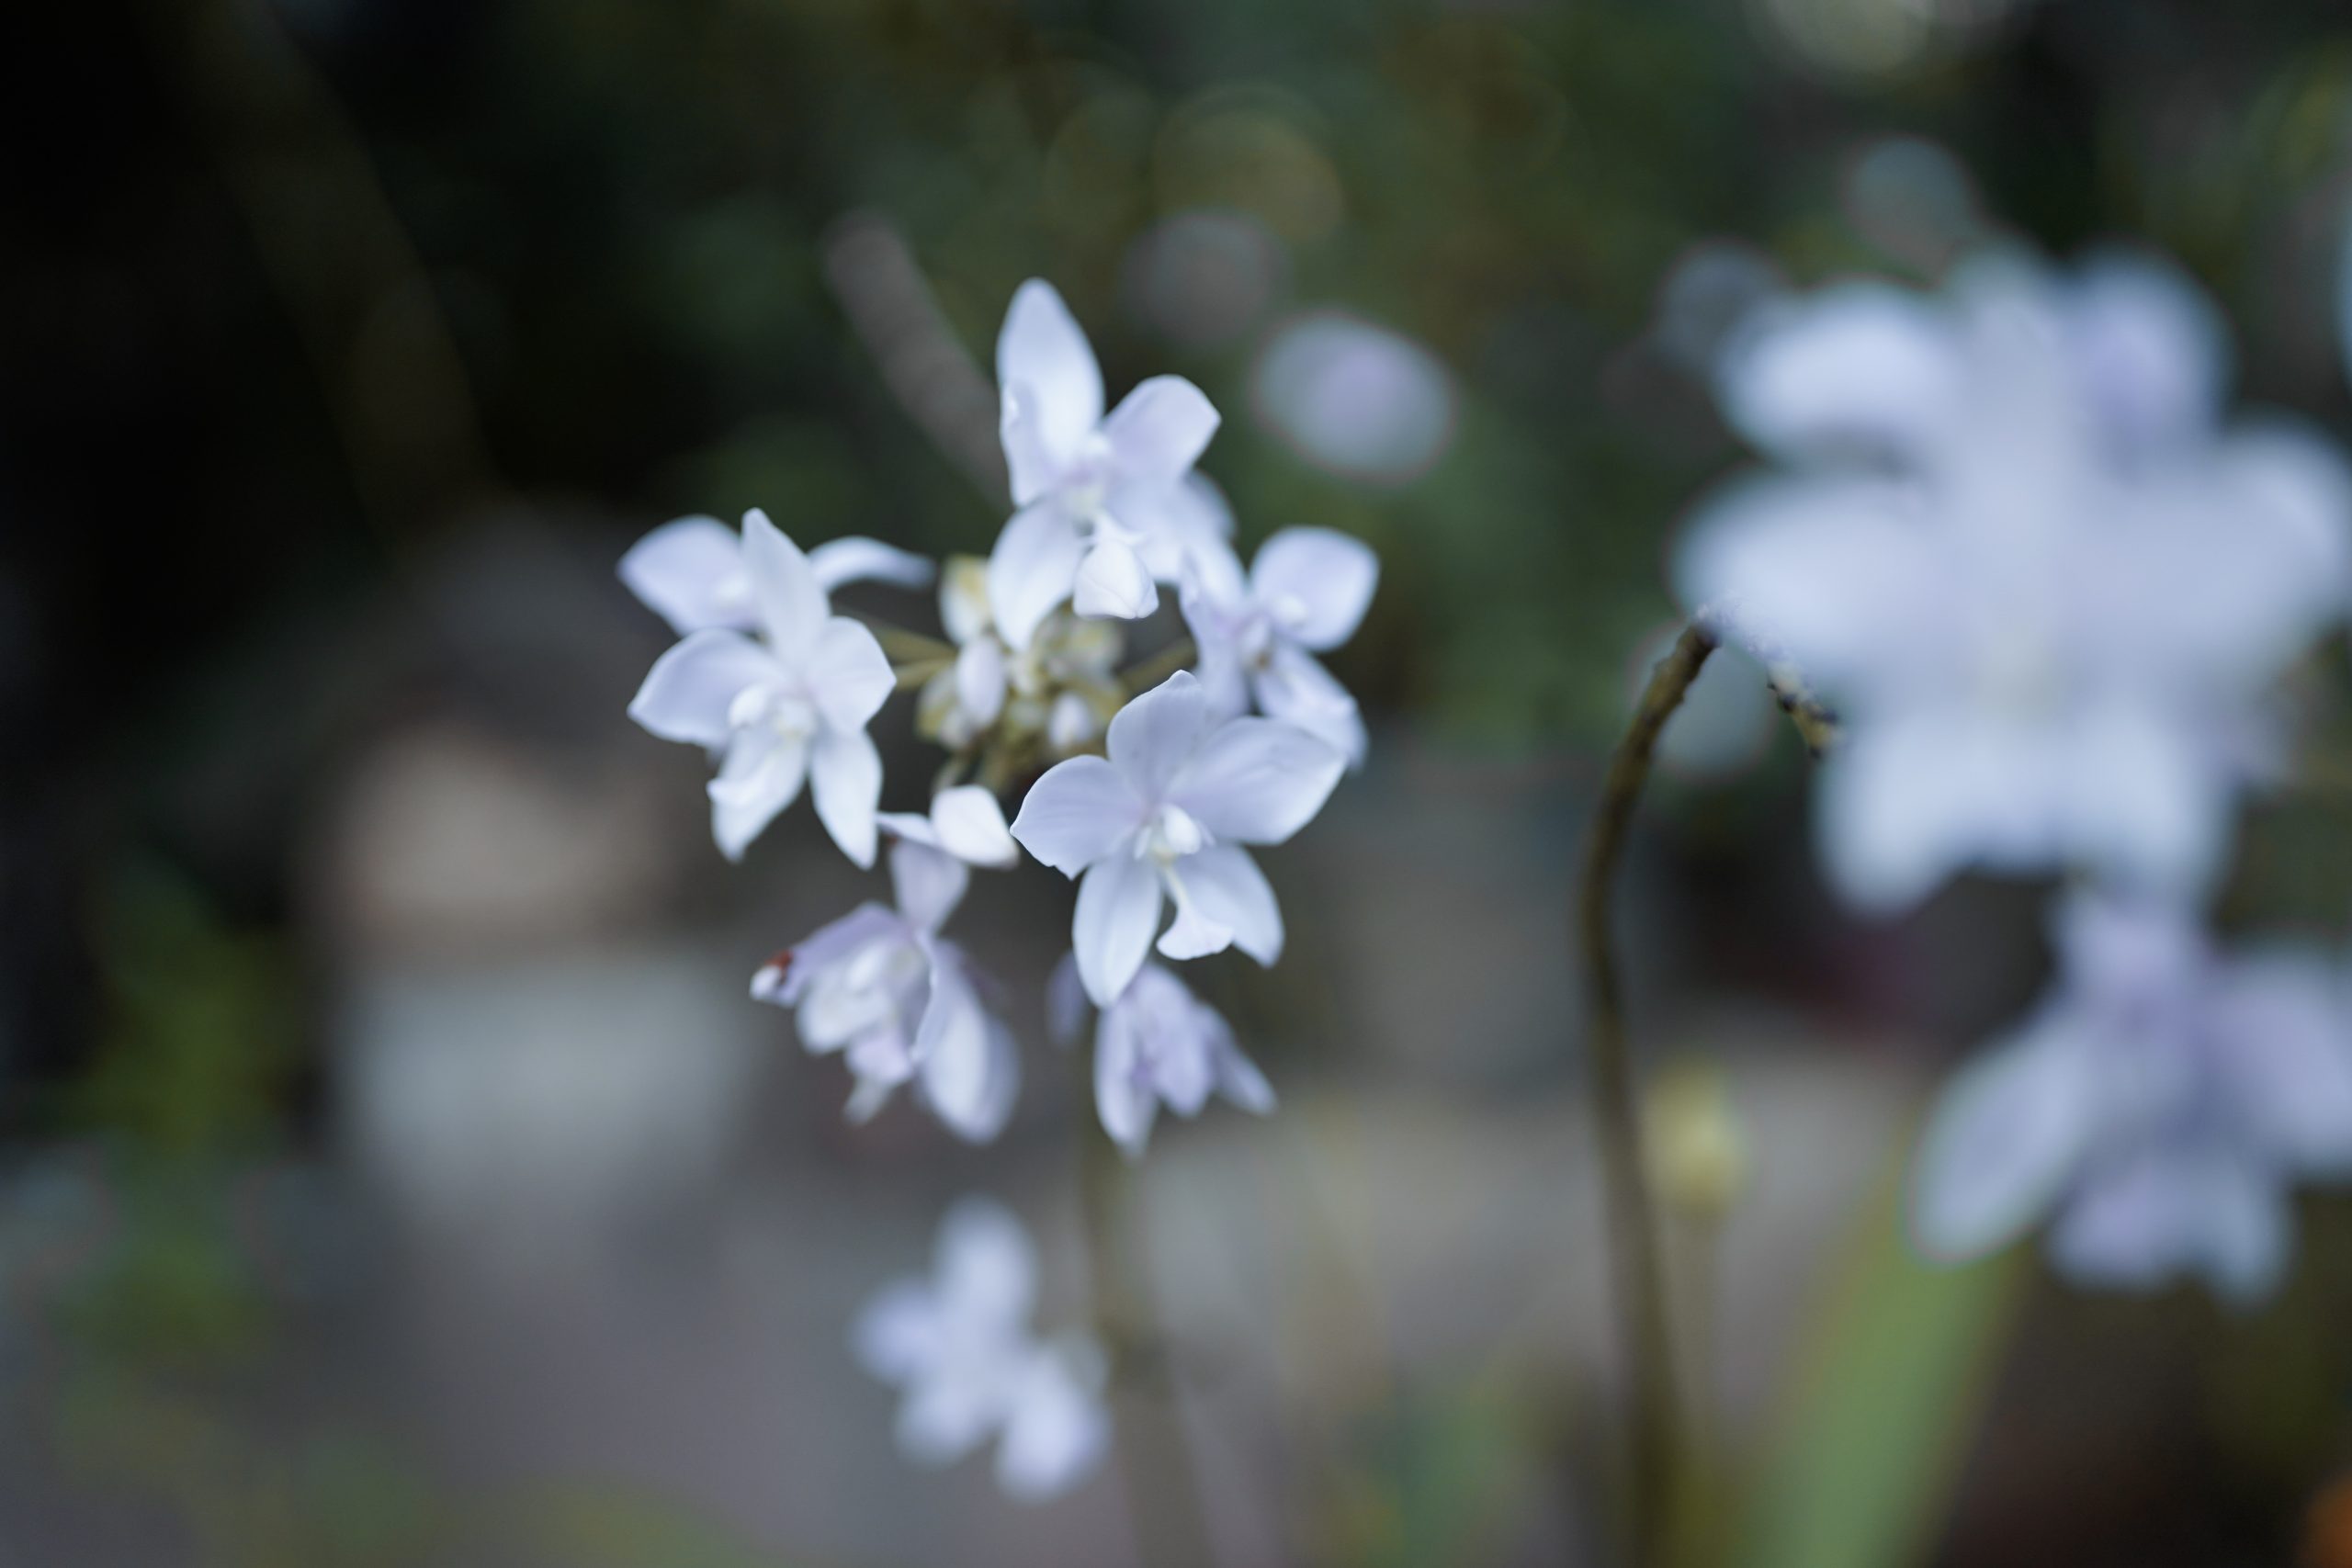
(1169, 811)
(897, 999)
(1354, 397)
(2160, 1103)
(2014, 551)
(960, 1347)
(1157, 1043)
(1258, 635)
(962, 702)
(691, 572)
(1106, 505)
(789, 708)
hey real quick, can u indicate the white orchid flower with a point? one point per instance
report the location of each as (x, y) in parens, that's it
(900, 1001)
(691, 573)
(1158, 1044)
(2159, 1104)
(1105, 506)
(1258, 633)
(1165, 816)
(2012, 546)
(960, 1347)
(788, 707)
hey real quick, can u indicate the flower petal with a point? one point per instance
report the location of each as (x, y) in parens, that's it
(1295, 688)
(2005, 1136)
(970, 825)
(1227, 888)
(846, 778)
(963, 1073)
(848, 674)
(1042, 353)
(1118, 914)
(1159, 430)
(855, 559)
(791, 604)
(1112, 583)
(690, 572)
(929, 884)
(899, 1334)
(761, 775)
(1152, 736)
(1077, 813)
(979, 679)
(1031, 569)
(1066, 1003)
(688, 692)
(1055, 1433)
(1315, 583)
(1862, 362)
(1256, 781)
(1126, 1098)
(987, 1270)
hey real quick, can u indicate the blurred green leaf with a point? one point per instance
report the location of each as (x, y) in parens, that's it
(610, 1528)
(1862, 1463)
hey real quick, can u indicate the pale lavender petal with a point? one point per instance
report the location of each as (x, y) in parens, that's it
(1066, 1003)
(1255, 781)
(987, 1269)
(690, 572)
(980, 680)
(761, 775)
(929, 883)
(1043, 353)
(899, 1334)
(790, 602)
(1056, 1433)
(1112, 583)
(2008, 1133)
(848, 675)
(1031, 569)
(855, 559)
(846, 779)
(687, 693)
(1858, 363)
(970, 825)
(1118, 913)
(1317, 584)
(1295, 688)
(962, 1071)
(1125, 1097)
(1225, 882)
(1079, 812)
(1152, 736)
(1159, 430)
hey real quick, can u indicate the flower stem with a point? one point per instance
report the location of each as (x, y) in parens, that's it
(1655, 1435)
(1155, 1461)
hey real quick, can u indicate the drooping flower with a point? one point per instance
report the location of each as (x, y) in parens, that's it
(1165, 816)
(901, 1002)
(2158, 1106)
(1061, 684)
(1106, 505)
(959, 1345)
(1156, 1045)
(2014, 549)
(1259, 633)
(691, 573)
(787, 707)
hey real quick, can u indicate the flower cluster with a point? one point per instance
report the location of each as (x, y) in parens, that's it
(2049, 594)
(1148, 789)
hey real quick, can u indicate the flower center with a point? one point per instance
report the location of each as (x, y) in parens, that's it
(1169, 835)
(789, 714)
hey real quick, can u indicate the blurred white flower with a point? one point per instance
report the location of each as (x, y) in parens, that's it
(1106, 505)
(691, 572)
(790, 708)
(962, 702)
(1167, 814)
(959, 1345)
(2158, 1105)
(2012, 546)
(1156, 1045)
(1258, 634)
(897, 999)
(1356, 399)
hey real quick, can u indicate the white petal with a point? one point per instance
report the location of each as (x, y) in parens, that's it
(855, 559)
(688, 692)
(1899, 806)
(971, 826)
(1066, 1001)
(761, 775)
(898, 1334)
(1118, 912)
(2172, 1208)
(1296, 689)
(1256, 781)
(1861, 362)
(946, 1415)
(1031, 569)
(962, 1072)
(1317, 583)
(1112, 583)
(831, 944)
(1193, 933)
(1043, 352)
(2152, 353)
(1238, 1079)
(2005, 1136)
(1057, 1433)
(690, 572)
(848, 674)
(1177, 522)
(928, 884)
(791, 604)
(2280, 1022)
(1152, 736)
(1079, 811)
(1159, 430)
(846, 778)
(1230, 889)
(1124, 1096)
(987, 1269)
(964, 599)
(979, 679)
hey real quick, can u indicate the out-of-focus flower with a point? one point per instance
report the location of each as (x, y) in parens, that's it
(2014, 551)
(1105, 504)
(1258, 634)
(897, 999)
(2160, 1103)
(959, 1345)
(1061, 685)
(1156, 1045)
(1354, 397)
(691, 572)
(787, 709)
(1166, 815)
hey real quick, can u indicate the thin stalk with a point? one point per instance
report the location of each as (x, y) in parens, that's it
(1646, 1329)
(1155, 1460)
